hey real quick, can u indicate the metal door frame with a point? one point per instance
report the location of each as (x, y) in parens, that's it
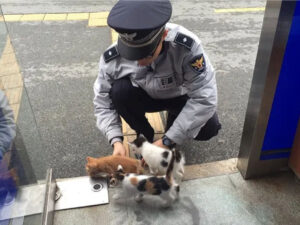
(274, 36)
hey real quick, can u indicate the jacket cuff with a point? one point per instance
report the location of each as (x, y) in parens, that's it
(115, 139)
(177, 137)
(113, 134)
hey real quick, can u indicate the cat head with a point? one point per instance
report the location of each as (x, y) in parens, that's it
(96, 167)
(136, 145)
(117, 176)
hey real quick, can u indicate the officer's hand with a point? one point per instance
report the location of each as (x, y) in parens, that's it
(159, 143)
(119, 149)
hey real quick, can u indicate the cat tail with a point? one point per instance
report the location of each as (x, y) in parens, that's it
(169, 176)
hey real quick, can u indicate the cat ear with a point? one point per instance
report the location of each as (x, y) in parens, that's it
(113, 182)
(120, 168)
(88, 159)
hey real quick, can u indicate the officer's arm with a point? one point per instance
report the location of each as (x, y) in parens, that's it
(108, 121)
(7, 125)
(202, 90)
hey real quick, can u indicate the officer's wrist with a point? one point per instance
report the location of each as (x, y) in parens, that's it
(115, 140)
(166, 141)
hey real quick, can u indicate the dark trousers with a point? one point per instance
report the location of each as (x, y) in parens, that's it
(132, 103)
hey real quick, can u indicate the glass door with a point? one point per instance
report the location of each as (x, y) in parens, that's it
(22, 185)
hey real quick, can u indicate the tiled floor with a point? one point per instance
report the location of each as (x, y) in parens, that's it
(226, 200)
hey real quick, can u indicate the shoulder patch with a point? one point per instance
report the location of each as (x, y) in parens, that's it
(110, 54)
(198, 63)
(184, 40)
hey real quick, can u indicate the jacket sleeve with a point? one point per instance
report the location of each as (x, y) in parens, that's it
(202, 91)
(108, 120)
(7, 125)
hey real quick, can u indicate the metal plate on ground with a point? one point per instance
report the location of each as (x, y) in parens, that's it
(80, 192)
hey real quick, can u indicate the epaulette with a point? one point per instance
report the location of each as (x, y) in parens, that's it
(110, 54)
(184, 40)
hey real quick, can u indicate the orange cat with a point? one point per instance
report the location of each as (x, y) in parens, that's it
(109, 164)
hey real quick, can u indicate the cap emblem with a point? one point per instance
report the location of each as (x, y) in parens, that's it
(128, 37)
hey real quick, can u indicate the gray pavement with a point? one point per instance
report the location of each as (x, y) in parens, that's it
(59, 63)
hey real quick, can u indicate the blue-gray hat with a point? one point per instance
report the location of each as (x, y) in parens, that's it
(140, 24)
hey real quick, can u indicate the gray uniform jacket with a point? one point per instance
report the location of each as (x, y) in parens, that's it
(7, 125)
(182, 68)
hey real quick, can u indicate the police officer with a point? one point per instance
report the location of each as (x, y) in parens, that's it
(154, 66)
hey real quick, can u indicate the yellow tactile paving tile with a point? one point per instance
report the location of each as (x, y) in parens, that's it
(124, 126)
(101, 22)
(7, 59)
(55, 17)
(129, 134)
(10, 77)
(125, 142)
(78, 16)
(153, 118)
(12, 81)
(114, 35)
(15, 108)
(99, 15)
(9, 69)
(14, 95)
(156, 122)
(98, 19)
(95, 18)
(8, 49)
(126, 129)
(12, 18)
(255, 9)
(32, 17)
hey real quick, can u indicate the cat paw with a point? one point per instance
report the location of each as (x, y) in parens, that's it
(138, 198)
(116, 196)
(166, 204)
(151, 171)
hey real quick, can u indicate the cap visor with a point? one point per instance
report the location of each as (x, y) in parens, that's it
(136, 53)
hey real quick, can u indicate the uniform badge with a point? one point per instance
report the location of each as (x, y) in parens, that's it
(167, 82)
(198, 63)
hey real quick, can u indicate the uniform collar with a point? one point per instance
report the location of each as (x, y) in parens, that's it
(161, 55)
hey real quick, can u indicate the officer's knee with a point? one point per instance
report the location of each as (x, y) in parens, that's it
(205, 136)
(210, 129)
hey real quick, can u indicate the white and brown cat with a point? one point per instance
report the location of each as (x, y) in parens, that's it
(139, 185)
(158, 158)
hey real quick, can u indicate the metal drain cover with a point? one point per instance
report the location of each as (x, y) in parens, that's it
(80, 192)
